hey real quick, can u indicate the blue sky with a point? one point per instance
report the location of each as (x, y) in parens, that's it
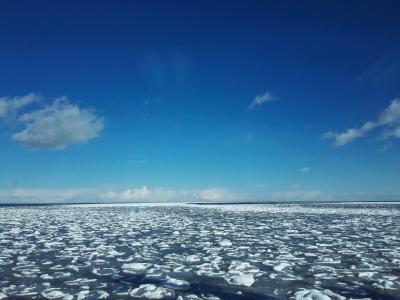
(203, 100)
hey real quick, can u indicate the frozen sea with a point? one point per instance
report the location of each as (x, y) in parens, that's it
(189, 251)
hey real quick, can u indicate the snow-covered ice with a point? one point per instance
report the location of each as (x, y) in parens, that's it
(243, 279)
(151, 291)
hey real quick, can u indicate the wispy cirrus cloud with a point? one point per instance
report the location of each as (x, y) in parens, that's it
(343, 138)
(261, 99)
(388, 120)
(10, 106)
(150, 101)
(54, 125)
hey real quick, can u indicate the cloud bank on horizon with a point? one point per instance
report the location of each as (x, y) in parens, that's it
(145, 194)
(102, 195)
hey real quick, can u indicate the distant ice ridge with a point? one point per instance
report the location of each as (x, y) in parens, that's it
(206, 252)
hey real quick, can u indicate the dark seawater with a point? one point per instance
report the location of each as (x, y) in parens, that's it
(262, 251)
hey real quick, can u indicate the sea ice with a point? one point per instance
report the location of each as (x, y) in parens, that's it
(236, 250)
(135, 268)
(53, 294)
(177, 283)
(150, 291)
(244, 279)
(225, 243)
(311, 295)
(281, 266)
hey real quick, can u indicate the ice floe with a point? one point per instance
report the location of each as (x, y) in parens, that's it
(243, 279)
(150, 291)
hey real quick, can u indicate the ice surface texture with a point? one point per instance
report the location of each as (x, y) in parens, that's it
(233, 252)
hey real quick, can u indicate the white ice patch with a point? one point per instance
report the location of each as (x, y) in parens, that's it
(56, 294)
(280, 267)
(313, 294)
(177, 283)
(135, 268)
(225, 243)
(243, 279)
(150, 291)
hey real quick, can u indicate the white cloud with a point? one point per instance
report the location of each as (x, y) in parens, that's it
(305, 169)
(214, 194)
(341, 139)
(9, 106)
(298, 195)
(392, 133)
(261, 99)
(391, 114)
(58, 125)
(387, 118)
(130, 194)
